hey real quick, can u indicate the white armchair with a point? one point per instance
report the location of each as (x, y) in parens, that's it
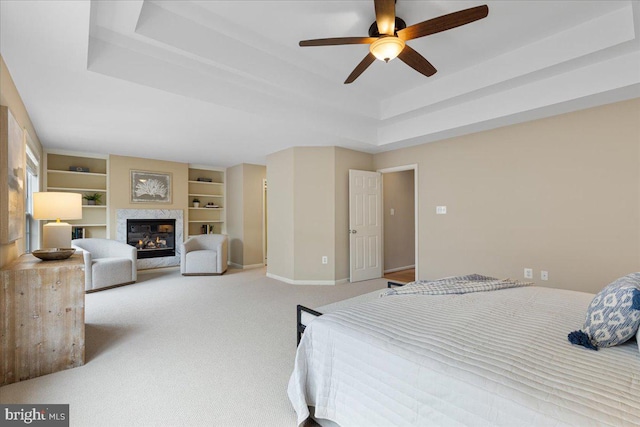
(204, 255)
(107, 263)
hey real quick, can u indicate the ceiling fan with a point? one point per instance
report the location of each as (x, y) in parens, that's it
(388, 34)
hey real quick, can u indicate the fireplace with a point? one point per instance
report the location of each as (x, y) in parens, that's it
(152, 237)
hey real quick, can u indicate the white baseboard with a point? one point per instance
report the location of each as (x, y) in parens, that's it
(244, 267)
(392, 270)
(157, 269)
(250, 266)
(307, 282)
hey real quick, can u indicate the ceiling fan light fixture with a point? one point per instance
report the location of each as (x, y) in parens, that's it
(387, 48)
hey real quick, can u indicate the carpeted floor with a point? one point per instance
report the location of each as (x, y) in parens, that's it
(186, 351)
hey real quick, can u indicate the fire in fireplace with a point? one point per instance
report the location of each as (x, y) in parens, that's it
(152, 237)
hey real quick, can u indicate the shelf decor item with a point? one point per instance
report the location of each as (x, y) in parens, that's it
(196, 203)
(150, 187)
(206, 229)
(78, 233)
(93, 199)
(79, 169)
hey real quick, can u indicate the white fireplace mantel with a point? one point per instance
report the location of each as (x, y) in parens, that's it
(121, 233)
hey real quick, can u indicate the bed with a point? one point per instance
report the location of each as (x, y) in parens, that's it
(304, 315)
(481, 359)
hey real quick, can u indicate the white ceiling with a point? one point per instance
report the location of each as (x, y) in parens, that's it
(224, 82)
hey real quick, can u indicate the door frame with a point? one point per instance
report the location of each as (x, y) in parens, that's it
(414, 168)
(265, 235)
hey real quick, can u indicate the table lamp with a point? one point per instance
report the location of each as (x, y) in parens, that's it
(51, 205)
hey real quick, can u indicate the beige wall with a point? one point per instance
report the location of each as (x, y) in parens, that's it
(10, 98)
(559, 194)
(280, 173)
(317, 207)
(235, 216)
(244, 214)
(119, 176)
(345, 160)
(399, 228)
(314, 213)
(253, 214)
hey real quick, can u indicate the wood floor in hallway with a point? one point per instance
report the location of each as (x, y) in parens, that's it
(402, 276)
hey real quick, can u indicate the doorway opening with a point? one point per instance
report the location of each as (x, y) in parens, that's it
(400, 223)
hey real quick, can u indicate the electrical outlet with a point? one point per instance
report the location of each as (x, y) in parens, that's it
(441, 210)
(544, 275)
(325, 260)
(528, 273)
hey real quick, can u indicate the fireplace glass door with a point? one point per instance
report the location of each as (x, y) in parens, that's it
(152, 237)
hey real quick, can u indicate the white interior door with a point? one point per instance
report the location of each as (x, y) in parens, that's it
(365, 225)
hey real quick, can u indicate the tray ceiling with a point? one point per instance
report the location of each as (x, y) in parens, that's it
(224, 82)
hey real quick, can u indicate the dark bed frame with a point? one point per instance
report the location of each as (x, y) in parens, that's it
(300, 308)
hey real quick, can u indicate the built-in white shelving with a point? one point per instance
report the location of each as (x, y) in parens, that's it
(207, 186)
(62, 175)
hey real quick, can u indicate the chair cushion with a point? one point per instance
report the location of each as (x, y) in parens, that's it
(111, 271)
(202, 262)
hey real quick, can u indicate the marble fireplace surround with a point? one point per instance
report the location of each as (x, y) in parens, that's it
(121, 233)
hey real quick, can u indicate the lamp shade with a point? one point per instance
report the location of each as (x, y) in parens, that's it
(387, 48)
(52, 205)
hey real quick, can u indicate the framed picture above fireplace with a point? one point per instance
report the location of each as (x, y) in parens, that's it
(150, 187)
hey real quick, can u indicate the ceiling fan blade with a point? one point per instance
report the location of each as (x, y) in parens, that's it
(338, 41)
(386, 16)
(416, 61)
(444, 22)
(363, 65)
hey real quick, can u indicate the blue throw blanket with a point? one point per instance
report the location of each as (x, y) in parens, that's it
(455, 285)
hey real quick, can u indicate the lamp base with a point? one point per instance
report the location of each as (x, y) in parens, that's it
(56, 235)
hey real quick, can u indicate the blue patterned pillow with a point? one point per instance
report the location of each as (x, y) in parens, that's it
(613, 316)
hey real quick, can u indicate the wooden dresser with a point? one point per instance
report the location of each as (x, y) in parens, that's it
(41, 317)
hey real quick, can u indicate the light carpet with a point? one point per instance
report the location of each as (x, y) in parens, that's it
(186, 351)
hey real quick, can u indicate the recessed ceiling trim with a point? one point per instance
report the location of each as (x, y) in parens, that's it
(236, 55)
(598, 78)
(115, 61)
(606, 31)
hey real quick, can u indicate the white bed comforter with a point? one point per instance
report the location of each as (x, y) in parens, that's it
(480, 359)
